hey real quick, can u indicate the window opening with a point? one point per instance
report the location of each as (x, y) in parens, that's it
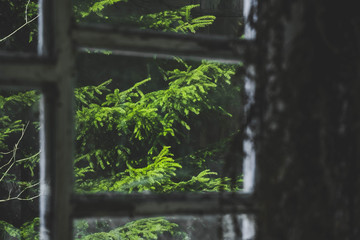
(55, 80)
(184, 17)
(18, 24)
(211, 227)
(156, 125)
(248, 223)
(143, 101)
(19, 168)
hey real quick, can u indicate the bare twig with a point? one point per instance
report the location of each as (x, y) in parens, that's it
(26, 11)
(6, 163)
(11, 163)
(25, 159)
(6, 153)
(19, 198)
(18, 142)
(13, 151)
(6, 172)
(19, 28)
(16, 148)
(22, 26)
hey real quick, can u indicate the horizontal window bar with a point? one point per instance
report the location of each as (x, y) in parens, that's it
(99, 205)
(25, 70)
(227, 13)
(7, 56)
(146, 42)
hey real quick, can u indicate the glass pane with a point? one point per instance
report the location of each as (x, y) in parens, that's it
(213, 227)
(18, 25)
(157, 125)
(221, 17)
(19, 170)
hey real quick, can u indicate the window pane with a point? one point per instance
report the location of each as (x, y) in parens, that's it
(184, 16)
(213, 227)
(18, 25)
(19, 170)
(157, 125)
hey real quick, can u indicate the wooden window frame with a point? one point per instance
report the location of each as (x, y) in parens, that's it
(52, 70)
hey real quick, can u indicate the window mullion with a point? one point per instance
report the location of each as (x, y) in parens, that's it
(56, 121)
(146, 43)
(154, 205)
(28, 72)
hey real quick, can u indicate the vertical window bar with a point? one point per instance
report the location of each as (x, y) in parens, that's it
(45, 28)
(248, 223)
(46, 105)
(249, 159)
(56, 121)
(47, 142)
(56, 161)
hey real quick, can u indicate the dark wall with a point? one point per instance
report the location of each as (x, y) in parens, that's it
(307, 120)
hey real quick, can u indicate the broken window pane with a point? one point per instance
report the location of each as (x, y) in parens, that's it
(158, 125)
(221, 17)
(18, 25)
(19, 164)
(210, 227)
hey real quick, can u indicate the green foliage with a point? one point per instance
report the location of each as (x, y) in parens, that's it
(28, 231)
(16, 28)
(99, 6)
(12, 123)
(157, 177)
(179, 20)
(204, 182)
(90, 94)
(19, 99)
(124, 137)
(30, 163)
(31, 12)
(146, 229)
(151, 177)
(7, 230)
(10, 107)
(148, 119)
(8, 127)
(81, 229)
(32, 9)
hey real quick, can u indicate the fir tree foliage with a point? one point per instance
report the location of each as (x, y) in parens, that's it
(146, 228)
(149, 120)
(179, 20)
(98, 6)
(28, 231)
(147, 127)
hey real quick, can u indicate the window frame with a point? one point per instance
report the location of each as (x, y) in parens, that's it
(52, 71)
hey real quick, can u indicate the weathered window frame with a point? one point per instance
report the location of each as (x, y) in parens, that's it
(52, 71)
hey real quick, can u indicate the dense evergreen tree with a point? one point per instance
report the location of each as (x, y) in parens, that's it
(155, 124)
